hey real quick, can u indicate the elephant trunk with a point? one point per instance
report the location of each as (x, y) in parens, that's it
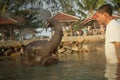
(53, 44)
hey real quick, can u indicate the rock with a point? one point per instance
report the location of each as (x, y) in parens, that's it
(85, 47)
(15, 55)
(75, 48)
(67, 43)
(83, 50)
(61, 50)
(67, 47)
(68, 51)
(80, 45)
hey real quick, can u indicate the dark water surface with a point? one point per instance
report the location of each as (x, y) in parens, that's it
(74, 66)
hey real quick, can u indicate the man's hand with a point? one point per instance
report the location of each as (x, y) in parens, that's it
(117, 49)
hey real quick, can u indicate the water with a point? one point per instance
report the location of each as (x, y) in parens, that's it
(76, 66)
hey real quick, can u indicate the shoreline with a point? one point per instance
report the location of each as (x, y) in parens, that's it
(90, 38)
(68, 44)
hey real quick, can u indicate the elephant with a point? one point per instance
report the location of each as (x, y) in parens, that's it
(43, 52)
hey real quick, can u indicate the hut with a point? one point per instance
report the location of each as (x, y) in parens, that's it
(92, 23)
(5, 27)
(8, 25)
(67, 21)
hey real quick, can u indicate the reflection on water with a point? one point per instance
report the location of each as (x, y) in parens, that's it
(111, 71)
(75, 66)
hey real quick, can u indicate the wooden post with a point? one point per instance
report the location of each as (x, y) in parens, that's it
(71, 29)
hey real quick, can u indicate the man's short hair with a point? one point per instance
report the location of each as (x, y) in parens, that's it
(107, 8)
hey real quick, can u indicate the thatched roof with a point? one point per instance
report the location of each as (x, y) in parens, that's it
(7, 20)
(63, 17)
(90, 21)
